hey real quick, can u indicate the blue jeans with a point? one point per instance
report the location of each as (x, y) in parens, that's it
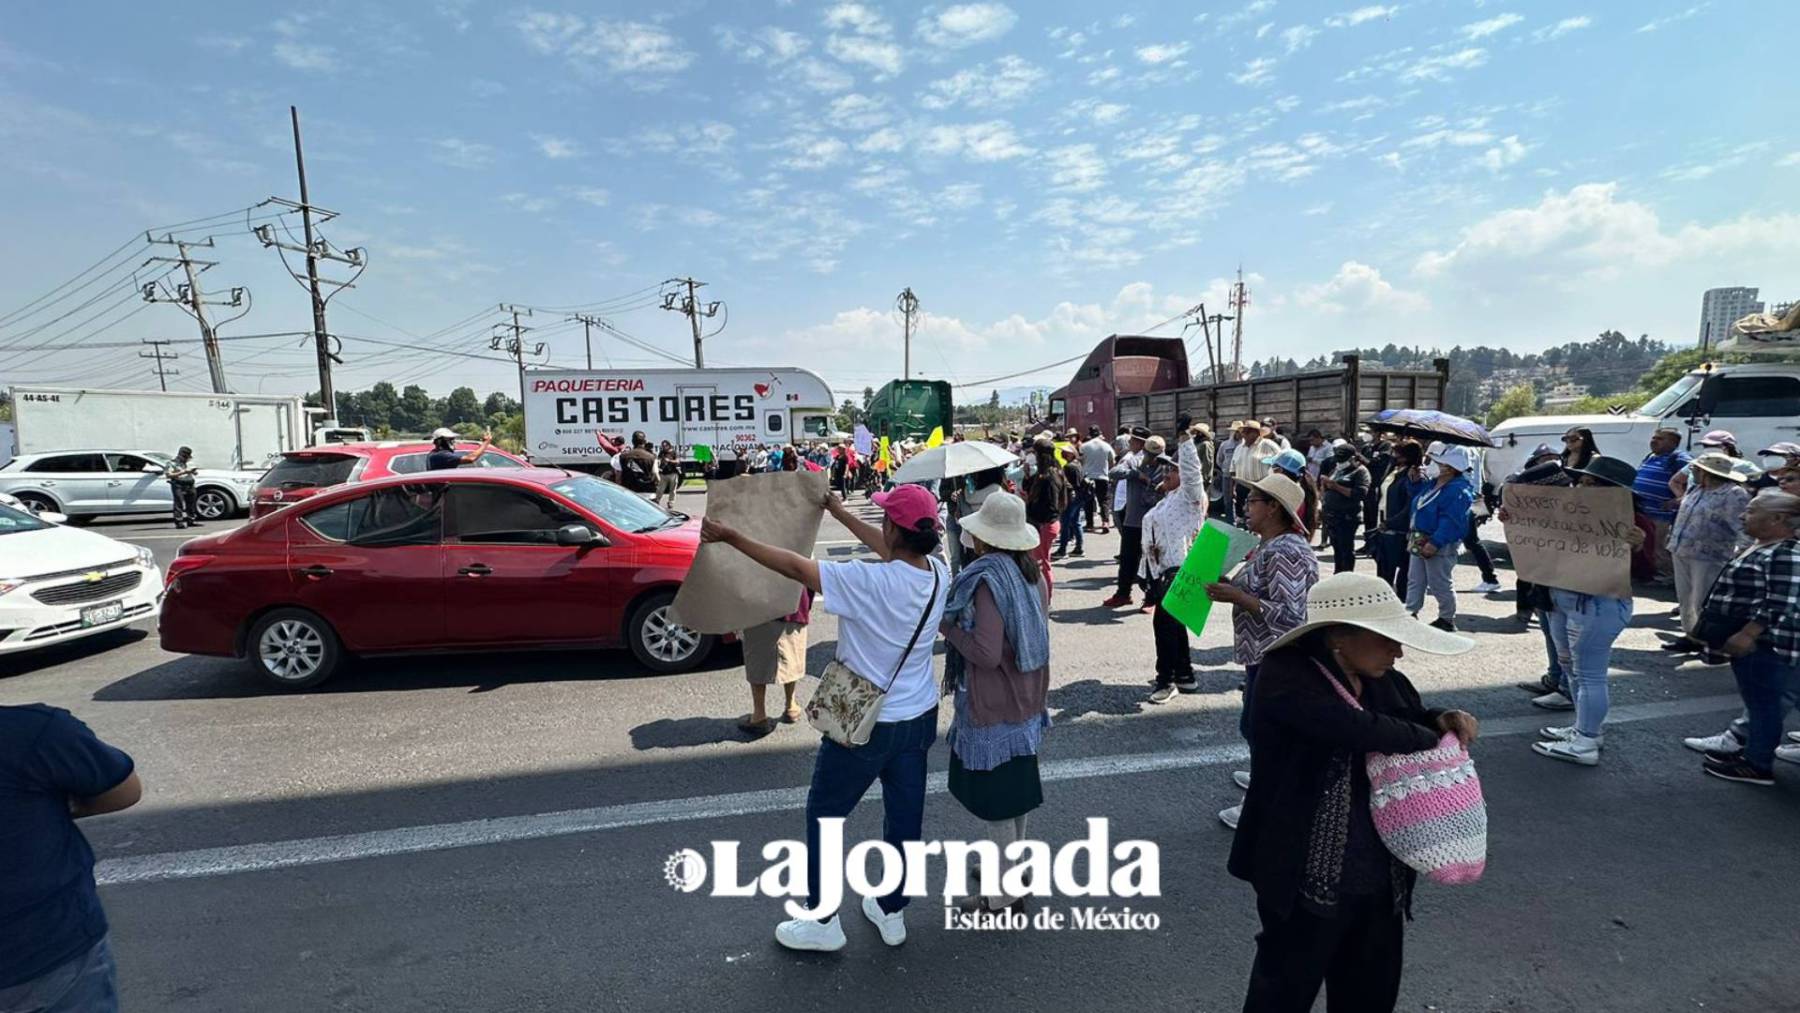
(1436, 576)
(1769, 686)
(87, 984)
(1584, 627)
(895, 754)
(1071, 524)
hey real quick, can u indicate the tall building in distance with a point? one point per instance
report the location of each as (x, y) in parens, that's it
(1722, 307)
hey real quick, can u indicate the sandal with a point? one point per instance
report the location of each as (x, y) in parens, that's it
(753, 727)
(792, 716)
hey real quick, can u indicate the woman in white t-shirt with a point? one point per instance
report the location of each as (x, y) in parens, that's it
(879, 606)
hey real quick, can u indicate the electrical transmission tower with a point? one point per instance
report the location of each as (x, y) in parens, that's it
(156, 352)
(315, 248)
(191, 298)
(1240, 298)
(908, 305)
(690, 307)
(515, 345)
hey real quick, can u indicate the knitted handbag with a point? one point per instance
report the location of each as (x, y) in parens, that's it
(1427, 806)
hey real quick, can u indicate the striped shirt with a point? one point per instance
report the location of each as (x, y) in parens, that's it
(1279, 572)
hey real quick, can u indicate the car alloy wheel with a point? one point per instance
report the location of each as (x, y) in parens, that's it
(668, 641)
(291, 650)
(212, 505)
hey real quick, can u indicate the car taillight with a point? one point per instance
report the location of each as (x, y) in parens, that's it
(183, 564)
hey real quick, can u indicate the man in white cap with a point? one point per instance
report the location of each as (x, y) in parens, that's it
(444, 454)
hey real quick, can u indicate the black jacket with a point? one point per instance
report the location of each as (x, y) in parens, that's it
(1297, 723)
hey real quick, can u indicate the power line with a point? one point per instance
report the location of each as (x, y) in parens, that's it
(689, 306)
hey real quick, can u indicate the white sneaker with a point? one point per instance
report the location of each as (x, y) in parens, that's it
(806, 934)
(1242, 777)
(892, 926)
(1487, 587)
(1794, 737)
(1579, 749)
(1229, 817)
(1553, 702)
(1557, 733)
(1790, 753)
(1724, 742)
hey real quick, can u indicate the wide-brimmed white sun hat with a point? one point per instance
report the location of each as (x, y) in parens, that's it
(1001, 523)
(1285, 491)
(1358, 599)
(1729, 468)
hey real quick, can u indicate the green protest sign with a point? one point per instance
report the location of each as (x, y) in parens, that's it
(1218, 548)
(702, 453)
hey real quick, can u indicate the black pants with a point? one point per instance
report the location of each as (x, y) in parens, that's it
(1174, 658)
(1131, 553)
(1355, 955)
(1391, 563)
(1340, 532)
(1472, 542)
(187, 497)
(1240, 493)
(1099, 501)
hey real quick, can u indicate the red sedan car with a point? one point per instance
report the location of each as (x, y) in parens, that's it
(303, 473)
(464, 560)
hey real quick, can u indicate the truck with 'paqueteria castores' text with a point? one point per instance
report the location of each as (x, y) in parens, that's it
(571, 416)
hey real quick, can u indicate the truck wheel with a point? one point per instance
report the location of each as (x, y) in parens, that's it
(293, 648)
(214, 504)
(660, 644)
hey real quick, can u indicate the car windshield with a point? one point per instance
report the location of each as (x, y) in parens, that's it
(616, 505)
(14, 520)
(308, 471)
(1671, 396)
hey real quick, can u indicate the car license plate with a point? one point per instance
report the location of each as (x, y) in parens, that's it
(100, 615)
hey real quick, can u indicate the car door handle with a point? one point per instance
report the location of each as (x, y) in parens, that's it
(45, 483)
(476, 570)
(315, 571)
(115, 482)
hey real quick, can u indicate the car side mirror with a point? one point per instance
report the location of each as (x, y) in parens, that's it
(579, 535)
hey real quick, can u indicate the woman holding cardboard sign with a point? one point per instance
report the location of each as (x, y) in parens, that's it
(1584, 627)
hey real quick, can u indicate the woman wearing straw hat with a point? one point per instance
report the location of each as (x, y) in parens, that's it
(1268, 594)
(998, 665)
(1440, 522)
(1332, 899)
(1707, 532)
(1584, 627)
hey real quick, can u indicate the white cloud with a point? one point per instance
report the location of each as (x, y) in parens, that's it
(1492, 26)
(1651, 26)
(1455, 138)
(1358, 288)
(960, 196)
(1318, 209)
(966, 25)
(992, 141)
(1259, 71)
(527, 203)
(1438, 68)
(1298, 37)
(460, 154)
(1509, 152)
(556, 147)
(596, 196)
(768, 44)
(633, 50)
(305, 56)
(1077, 168)
(1003, 84)
(821, 76)
(1790, 159)
(885, 57)
(1097, 112)
(883, 140)
(859, 112)
(1562, 28)
(811, 152)
(223, 43)
(859, 18)
(1350, 19)
(1160, 53)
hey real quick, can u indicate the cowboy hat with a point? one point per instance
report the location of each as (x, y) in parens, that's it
(1610, 470)
(1001, 523)
(1155, 445)
(1285, 491)
(1367, 602)
(1727, 467)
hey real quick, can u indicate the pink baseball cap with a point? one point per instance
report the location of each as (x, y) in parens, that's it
(912, 507)
(1718, 438)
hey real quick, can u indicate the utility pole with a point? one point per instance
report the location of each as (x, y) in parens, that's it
(587, 329)
(316, 248)
(691, 308)
(193, 299)
(1217, 321)
(515, 346)
(908, 305)
(156, 352)
(1240, 298)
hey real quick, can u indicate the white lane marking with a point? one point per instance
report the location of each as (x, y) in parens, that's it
(225, 861)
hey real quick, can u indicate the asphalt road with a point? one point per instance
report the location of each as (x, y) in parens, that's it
(489, 833)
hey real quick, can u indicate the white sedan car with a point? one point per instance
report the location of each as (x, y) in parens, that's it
(85, 484)
(59, 583)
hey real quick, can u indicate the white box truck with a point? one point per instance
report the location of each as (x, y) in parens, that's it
(229, 431)
(566, 411)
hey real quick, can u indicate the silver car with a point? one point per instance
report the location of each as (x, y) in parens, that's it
(85, 484)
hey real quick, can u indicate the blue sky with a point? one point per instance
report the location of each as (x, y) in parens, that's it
(1040, 174)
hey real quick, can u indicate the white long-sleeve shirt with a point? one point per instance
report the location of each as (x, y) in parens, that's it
(1172, 524)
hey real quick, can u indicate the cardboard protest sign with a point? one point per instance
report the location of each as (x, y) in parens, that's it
(1217, 549)
(1571, 537)
(726, 591)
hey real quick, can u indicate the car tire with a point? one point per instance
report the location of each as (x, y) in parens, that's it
(660, 645)
(214, 505)
(37, 503)
(293, 648)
